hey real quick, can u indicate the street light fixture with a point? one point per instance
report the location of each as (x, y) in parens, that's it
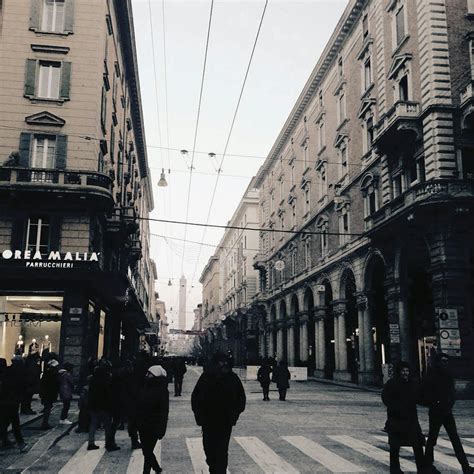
(162, 183)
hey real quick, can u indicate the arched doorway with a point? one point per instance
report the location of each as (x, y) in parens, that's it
(352, 325)
(416, 276)
(329, 343)
(295, 310)
(380, 334)
(312, 343)
(284, 337)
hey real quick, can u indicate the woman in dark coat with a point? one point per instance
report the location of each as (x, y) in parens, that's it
(281, 375)
(400, 395)
(263, 376)
(152, 414)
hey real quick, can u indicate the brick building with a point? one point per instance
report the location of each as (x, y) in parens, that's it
(373, 171)
(77, 277)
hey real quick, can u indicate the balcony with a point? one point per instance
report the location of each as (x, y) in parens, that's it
(122, 220)
(135, 248)
(400, 124)
(466, 94)
(62, 187)
(427, 193)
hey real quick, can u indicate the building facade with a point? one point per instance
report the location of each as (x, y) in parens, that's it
(230, 282)
(373, 173)
(77, 278)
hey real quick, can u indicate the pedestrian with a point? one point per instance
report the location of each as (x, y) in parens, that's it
(281, 376)
(13, 384)
(440, 396)
(49, 390)
(179, 369)
(217, 401)
(66, 388)
(100, 405)
(152, 414)
(263, 376)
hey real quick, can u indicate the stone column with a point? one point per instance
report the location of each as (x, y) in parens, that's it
(361, 308)
(321, 345)
(342, 343)
(319, 340)
(304, 342)
(339, 311)
(271, 348)
(290, 343)
(336, 342)
(279, 350)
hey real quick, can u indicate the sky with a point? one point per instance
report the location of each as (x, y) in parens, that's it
(171, 44)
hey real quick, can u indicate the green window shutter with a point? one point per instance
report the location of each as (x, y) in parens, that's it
(30, 78)
(18, 232)
(65, 80)
(35, 15)
(69, 17)
(55, 233)
(61, 152)
(25, 145)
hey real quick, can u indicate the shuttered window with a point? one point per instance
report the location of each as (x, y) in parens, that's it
(43, 151)
(47, 79)
(43, 156)
(53, 16)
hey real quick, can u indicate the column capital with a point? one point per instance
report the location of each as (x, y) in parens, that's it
(339, 308)
(320, 313)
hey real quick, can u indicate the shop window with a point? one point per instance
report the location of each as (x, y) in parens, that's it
(467, 157)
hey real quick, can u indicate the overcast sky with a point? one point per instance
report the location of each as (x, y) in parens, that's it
(292, 37)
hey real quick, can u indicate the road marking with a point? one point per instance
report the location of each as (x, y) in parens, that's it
(265, 457)
(469, 440)
(136, 459)
(37, 450)
(439, 457)
(447, 444)
(373, 452)
(196, 452)
(84, 461)
(322, 455)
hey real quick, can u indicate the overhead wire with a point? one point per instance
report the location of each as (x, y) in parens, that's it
(196, 129)
(232, 126)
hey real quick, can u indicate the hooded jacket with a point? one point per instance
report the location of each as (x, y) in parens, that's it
(153, 405)
(49, 385)
(218, 398)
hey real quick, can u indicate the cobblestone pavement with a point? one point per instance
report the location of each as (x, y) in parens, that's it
(320, 428)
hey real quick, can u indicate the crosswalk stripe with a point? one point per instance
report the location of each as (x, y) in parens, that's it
(198, 458)
(439, 457)
(135, 464)
(265, 457)
(469, 440)
(84, 461)
(327, 458)
(447, 444)
(373, 452)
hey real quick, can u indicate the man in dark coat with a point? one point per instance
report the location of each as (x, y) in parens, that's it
(217, 401)
(400, 395)
(179, 369)
(33, 372)
(281, 376)
(263, 376)
(439, 395)
(152, 414)
(49, 390)
(101, 405)
(66, 388)
(12, 387)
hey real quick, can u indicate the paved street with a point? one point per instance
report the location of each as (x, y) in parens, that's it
(320, 428)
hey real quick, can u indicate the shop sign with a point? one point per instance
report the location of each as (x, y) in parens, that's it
(447, 318)
(394, 333)
(450, 341)
(53, 259)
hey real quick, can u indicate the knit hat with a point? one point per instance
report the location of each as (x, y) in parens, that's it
(53, 363)
(157, 371)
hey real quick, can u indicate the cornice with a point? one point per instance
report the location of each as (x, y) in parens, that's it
(341, 33)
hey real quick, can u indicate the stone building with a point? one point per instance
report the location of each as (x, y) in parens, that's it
(373, 174)
(77, 277)
(230, 282)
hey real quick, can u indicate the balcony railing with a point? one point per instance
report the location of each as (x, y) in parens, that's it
(42, 177)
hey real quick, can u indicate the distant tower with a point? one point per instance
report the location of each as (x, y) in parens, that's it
(182, 303)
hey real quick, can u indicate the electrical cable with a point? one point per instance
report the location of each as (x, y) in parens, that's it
(196, 129)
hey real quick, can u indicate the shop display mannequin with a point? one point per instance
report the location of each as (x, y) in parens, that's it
(20, 346)
(33, 348)
(45, 347)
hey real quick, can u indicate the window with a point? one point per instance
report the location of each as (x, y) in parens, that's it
(323, 226)
(1, 15)
(403, 89)
(367, 73)
(467, 163)
(415, 170)
(307, 253)
(340, 68)
(281, 188)
(400, 30)
(323, 185)
(344, 227)
(53, 16)
(37, 234)
(293, 262)
(397, 185)
(341, 108)
(343, 161)
(49, 80)
(103, 109)
(321, 100)
(292, 175)
(321, 135)
(43, 152)
(365, 26)
(293, 215)
(369, 131)
(100, 163)
(307, 199)
(471, 50)
(370, 193)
